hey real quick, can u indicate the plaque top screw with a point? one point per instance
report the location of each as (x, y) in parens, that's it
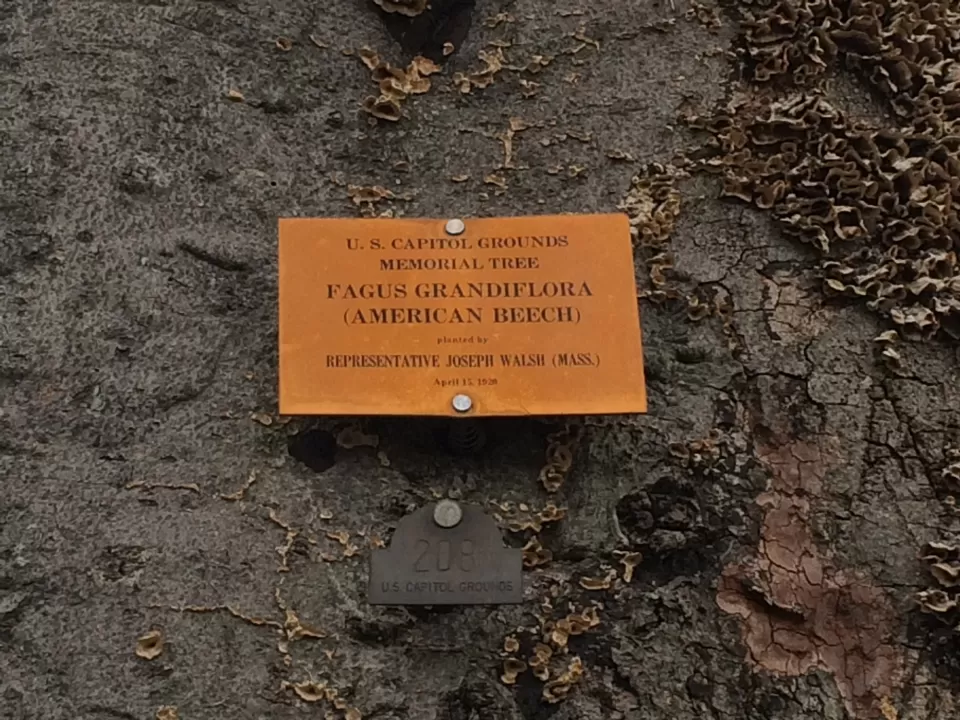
(462, 403)
(447, 514)
(455, 226)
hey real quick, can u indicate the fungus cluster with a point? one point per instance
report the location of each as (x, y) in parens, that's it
(707, 454)
(520, 517)
(653, 205)
(549, 657)
(395, 84)
(943, 559)
(879, 204)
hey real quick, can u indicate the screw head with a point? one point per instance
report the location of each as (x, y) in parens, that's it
(447, 513)
(462, 403)
(455, 226)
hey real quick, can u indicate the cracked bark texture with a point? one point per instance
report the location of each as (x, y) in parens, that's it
(138, 336)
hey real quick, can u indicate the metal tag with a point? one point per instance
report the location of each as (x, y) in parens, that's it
(429, 564)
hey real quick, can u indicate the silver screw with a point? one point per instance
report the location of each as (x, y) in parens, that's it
(447, 513)
(462, 403)
(455, 226)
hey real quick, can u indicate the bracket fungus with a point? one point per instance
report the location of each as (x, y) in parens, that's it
(878, 203)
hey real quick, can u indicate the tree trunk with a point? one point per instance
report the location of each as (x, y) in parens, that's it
(753, 543)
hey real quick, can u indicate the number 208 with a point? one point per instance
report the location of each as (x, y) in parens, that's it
(442, 555)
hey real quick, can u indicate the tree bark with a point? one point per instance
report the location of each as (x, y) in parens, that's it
(774, 500)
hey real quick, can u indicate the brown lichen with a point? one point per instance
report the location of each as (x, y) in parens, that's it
(395, 84)
(493, 62)
(937, 602)
(242, 492)
(410, 8)
(604, 583)
(251, 619)
(309, 691)
(519, 518)
(506, 137)
(707, 16)
(535, 65)
(150, 645)
(943, 560)
(499, 19)
(295, 629)
(497, 180)
(653, 205)
(540, 661)
(383, 108)
(575, 623)
(586, 619)
(534, 554)
(341, 536)
(265, 419)
(561, 447)
(317, 691)
(352, 436)
(556, 690)
(620, 155)
(148, 486)
(361, 194)
(950, 474)
(511, 669)
(530, 88)
(630, 560)
(291, 535)
(551, 513)
(705, 455)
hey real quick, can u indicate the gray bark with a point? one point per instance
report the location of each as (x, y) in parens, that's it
(138, 321)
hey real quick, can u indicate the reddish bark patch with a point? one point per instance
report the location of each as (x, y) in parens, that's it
(798, 611)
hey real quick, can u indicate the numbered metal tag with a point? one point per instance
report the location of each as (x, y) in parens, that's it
(446, 554)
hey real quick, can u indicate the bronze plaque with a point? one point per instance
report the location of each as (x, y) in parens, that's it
(523, 315)
(431, 565)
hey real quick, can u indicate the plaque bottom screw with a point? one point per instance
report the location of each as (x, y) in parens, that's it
(447, 514)
(462, 403)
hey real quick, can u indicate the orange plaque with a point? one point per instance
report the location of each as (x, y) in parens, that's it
(495, 316)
